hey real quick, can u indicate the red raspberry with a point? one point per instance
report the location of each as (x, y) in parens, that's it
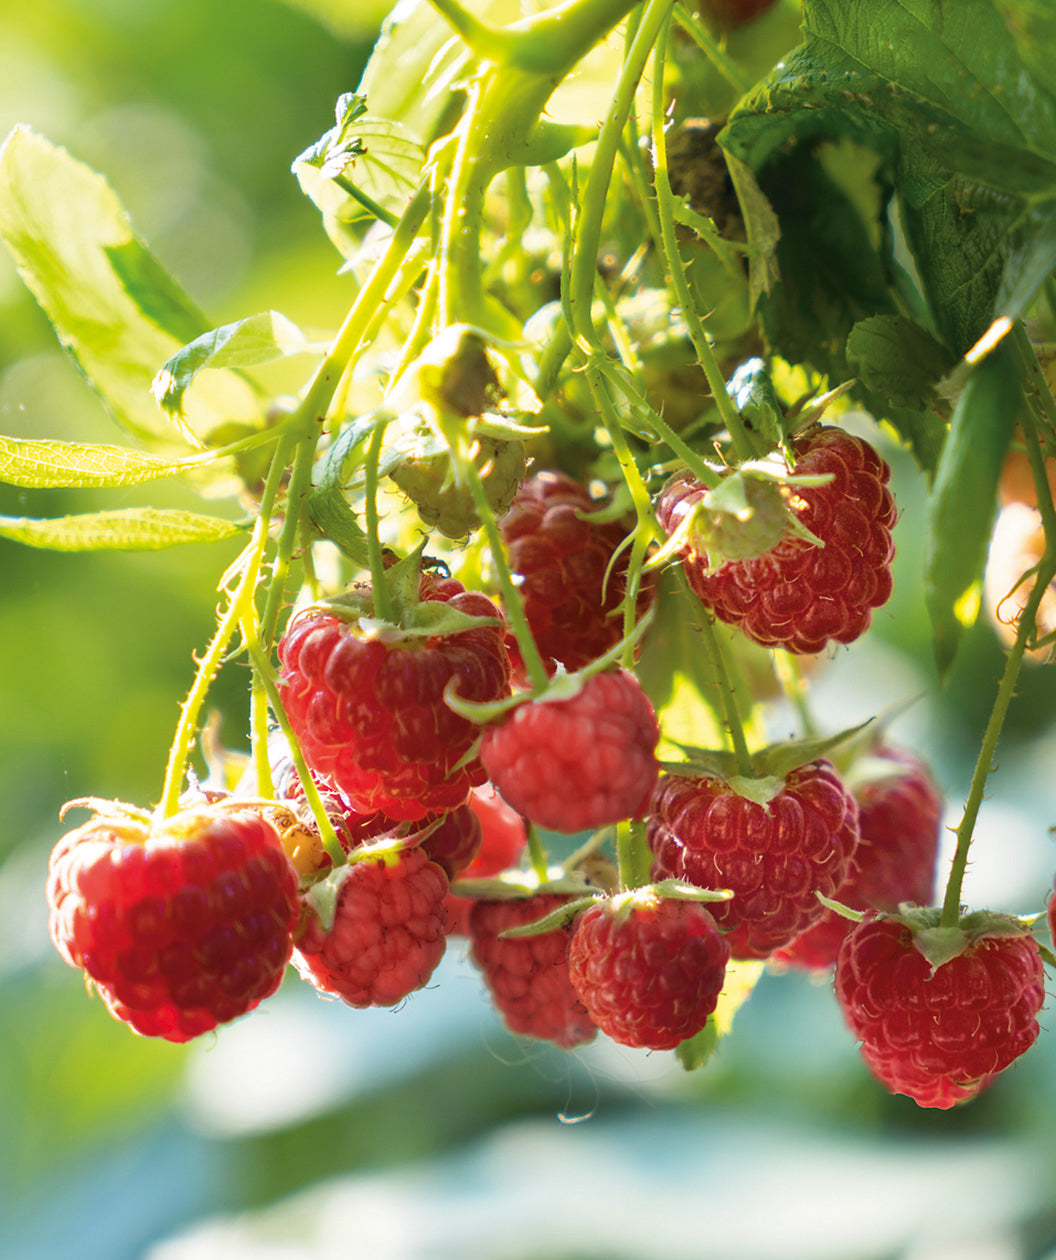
(938, 1034)
(900, 818)
(562, 562)
(183, 923)
(528, 975)
(772, 857)
(369, 712)
(649, 970)
(501, 845)
(576, 764)
(800, 596)
(387, 933)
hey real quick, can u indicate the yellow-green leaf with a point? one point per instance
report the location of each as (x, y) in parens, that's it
(127, 529)
(47, 464)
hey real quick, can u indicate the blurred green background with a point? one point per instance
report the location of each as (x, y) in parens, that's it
(309, 1130)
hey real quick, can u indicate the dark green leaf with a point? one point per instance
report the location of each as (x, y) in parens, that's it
(962, 503)
(897, 360)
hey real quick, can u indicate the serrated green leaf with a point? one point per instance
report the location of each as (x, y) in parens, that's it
(245, 343)
(965, 133)
(113, 306)
(963, 500)
(49, 464)
(897, 360)
(127, 529)
(753, 393)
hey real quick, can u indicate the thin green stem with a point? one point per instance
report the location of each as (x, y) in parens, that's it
(734, 722)
(794, 685)
(537, 855)
(741, 439)
(511, 596)
(258, 725)
(383, 608)
(729, 70)
(311, 793)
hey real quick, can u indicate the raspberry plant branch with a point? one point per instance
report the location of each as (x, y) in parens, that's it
(694, 28)
(739, 436)
(734, 722)
(383, 607)
(1025, 629)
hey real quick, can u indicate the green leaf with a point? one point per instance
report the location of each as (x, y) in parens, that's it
(963, 500)
(113, 306)
(128, 529)
(245, 343)
(48, 464)
(897, 360)
(964, 131)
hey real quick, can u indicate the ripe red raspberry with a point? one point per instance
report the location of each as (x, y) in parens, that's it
(800, 596)
(387, 933)
(938, 1034)
(576, 764)
(501, 844)
(772, 857)
(182, 923)
(528, 975)
(562, 562)
(649, 970)
(900, 818)
(369, 711)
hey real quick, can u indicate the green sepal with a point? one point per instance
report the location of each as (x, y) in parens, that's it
(837, 907)
(939, 942)
(696, 1051)
(322, 896)
(555, 919)
(681, 890)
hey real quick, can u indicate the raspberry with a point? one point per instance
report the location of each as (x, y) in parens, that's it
(369, 711)
(561, 562)
(900, 818)
(800, 596)
(387, 933)
(938, 1034)
(649, 970)
(576, 764)
(502, 842)
(182, 923)
(772, 857)
(528, 975)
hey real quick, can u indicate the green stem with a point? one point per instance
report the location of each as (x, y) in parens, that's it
(258, 725)
(734, 723)
(511, 596)
(537, 855)
(742, 442)
(383, 608)
(693, 27)
(794, 685)
(331, 843)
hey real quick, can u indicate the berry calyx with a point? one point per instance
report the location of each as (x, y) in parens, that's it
(577, 763)
(939, 1033)
(798, 595)
(181, 923)
(649, 970)
(527, 976)
(373, 931)
(774, 857)
(367, 704)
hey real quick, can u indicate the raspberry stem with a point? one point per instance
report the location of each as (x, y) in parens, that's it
(1045, 571)
(383, 608)
(265, 673)
(739, 436)
(537, 855)
(694, 28)
(734, 724)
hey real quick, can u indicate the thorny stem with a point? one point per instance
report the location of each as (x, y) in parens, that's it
(241, 608)
(379, 590)
(1045, 571)
(693, 27)
(511, 596)
(698, 335)
(263, 669)
(734, 724)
